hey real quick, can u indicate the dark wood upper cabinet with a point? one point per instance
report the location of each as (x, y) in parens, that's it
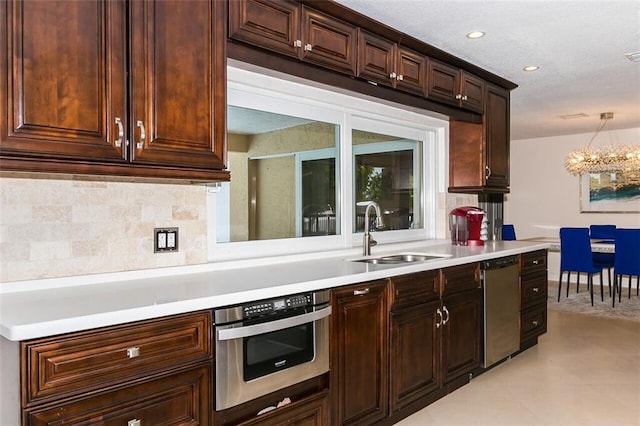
(92, 87)
(382, 61)
(273, 25)
(479, 153)
(455, 87)
(294, 30)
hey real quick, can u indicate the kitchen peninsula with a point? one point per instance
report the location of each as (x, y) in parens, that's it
(37, 309)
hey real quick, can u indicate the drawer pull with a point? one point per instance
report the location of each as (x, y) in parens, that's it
(133, 352)
(535, 323)
(360, 292)
(535, 289)
(535, 262)
(439, 313)
(134, 422)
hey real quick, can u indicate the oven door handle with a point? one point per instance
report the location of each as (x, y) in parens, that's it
(253, 330)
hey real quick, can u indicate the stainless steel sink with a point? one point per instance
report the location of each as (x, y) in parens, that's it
(398, 258)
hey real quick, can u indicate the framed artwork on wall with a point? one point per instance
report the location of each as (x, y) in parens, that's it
(609, 193)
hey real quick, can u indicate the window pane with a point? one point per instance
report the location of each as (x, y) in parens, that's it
(387, 171)
(284, 177)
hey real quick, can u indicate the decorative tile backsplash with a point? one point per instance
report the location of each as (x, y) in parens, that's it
(64, 227)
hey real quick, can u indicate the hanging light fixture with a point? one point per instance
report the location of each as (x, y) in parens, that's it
(610, 159)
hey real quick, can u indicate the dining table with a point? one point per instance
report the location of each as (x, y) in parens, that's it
(598, 245)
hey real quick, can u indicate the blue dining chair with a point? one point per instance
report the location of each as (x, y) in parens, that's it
(508, 232)
(576, 256)
(627, 260)
(604, 260)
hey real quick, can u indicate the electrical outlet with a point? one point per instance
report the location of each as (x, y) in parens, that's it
(165, 240)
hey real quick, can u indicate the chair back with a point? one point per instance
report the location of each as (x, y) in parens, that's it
(575, 251)
(508, 232)
(605, 232)
(627, 248)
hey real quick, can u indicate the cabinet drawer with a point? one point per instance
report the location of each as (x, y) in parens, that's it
(81, 362)
(178, 399)
(313, 410)
(533, 323)
(460, 278)
(534, 289)
(413, 289)
(534, 261)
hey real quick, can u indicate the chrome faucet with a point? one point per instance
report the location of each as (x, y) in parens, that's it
(367, 240)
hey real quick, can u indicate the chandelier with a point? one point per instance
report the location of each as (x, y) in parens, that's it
(610, 159)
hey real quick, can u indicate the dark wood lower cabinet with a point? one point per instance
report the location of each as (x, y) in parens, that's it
(359, 354)
(414, 354)
(178, 399)
(461, 334)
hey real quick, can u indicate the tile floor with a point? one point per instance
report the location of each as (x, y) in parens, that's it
(584, 371)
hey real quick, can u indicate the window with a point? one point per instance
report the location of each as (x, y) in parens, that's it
(301, 166)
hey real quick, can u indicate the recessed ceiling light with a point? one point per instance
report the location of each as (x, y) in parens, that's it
(475, 34)
(531, 68)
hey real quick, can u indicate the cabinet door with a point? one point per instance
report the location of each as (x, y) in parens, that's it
(358, 372)
(178, 73)
(328, 42)
(461, 334)
(411, 71)
(496, 118)
(472, 90)
(414, 367)
(376, 58)
(271, 24)
(179, 399)
(62, 68)
(443, 82)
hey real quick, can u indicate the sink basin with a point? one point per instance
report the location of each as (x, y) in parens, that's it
(398, 258)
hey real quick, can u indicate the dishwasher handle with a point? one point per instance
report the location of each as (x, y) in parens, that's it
(499, 263)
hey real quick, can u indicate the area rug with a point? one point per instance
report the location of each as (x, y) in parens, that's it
(627, 309)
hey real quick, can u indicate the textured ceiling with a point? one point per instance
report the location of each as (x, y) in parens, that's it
(580, 47)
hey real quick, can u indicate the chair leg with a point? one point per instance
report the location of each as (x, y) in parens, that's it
(568, 282)
(601, 287)
(590, 284)
(560, 285)
(609, 277)
(615, 286)
(629, 286)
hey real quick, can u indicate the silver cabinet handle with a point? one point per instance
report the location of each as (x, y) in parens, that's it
(458, 96)
(392, 75)
(464, 98)
(535, 289)
(118, 142)
(134, 422)
(487, 172)
(143, 135)
(446, 320)
(535, 323)
(439, 313)
(252, 330)
(535, 262)
(297, 43)
(400, 77)
(308, 47)
(361, 292)
(133, 352)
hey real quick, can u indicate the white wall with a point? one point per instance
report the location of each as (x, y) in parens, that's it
(545, 197)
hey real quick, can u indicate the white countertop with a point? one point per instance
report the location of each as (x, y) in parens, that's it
(40, 308)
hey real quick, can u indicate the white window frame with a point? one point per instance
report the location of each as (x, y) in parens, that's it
(255, 90)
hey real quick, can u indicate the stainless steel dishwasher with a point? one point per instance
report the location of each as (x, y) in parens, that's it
(501, 308)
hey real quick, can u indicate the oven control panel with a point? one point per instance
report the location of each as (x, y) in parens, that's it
(275, 305)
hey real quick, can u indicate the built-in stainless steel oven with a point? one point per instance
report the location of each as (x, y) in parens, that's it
(270, 344)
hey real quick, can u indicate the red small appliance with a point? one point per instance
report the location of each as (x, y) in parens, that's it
(465, 224)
